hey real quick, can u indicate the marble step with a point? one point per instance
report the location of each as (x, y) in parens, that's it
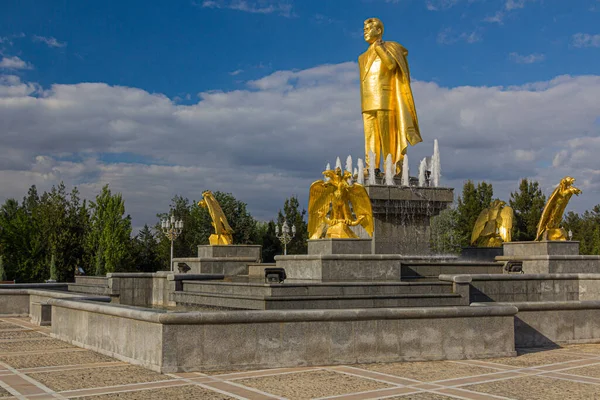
(318, 302)
(316, 289)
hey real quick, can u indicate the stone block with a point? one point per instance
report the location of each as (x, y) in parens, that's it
(41, 314)
(234, 250)
(339, 246)
(542, 248)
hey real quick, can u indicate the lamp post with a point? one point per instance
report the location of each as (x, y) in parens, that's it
(172, 229)
(285, 236)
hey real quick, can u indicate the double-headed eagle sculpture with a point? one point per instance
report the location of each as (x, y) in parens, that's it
(549, 225)
(335, 205)
(223, 232)
(493, 226)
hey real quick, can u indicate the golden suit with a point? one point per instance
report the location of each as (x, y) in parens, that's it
(388, 108)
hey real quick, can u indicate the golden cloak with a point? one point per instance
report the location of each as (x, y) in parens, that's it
(406, 122)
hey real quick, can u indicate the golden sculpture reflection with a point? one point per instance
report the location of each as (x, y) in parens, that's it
(223, 232)
(334, 205)
(388, 108)
(493, 226)
(549, 225)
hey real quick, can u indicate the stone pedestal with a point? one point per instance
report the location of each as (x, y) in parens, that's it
(339, 246)
(402, 217)
(226, 260)
(550, 257)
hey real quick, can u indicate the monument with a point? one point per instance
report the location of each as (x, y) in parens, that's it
(221, 256)
(401, 214)
(388, 108)
(551, 252)
(492, 228)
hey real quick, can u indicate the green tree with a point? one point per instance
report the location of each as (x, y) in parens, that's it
(2, 271)
(146, 252)
(585, 229)
(271, 246)
(528, 203)
(444, 234)
(110, 233)
(469, 206)
(294, 216)
(53, 271)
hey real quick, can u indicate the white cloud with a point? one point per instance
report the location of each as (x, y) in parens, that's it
(271, 140)
(585, 40)
(49, 41)
(497, 18)
(448, 36)
(437, 5)
(526, 59)
(281, 7)
(236, 72)
(14, 63)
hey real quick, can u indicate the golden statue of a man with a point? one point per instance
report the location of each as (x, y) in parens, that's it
(388, 107)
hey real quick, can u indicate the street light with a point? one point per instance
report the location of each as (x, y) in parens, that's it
(172, 229)
(285, 237)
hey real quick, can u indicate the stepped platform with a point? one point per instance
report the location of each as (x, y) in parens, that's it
(97, 285)
(257, 295)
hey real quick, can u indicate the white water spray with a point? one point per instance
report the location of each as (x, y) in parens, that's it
(422, 169)
(371, 168)
(405, 176)
(361, 172)
(436, 170)
(389, 171)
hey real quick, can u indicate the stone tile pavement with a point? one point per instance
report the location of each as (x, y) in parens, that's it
(35, 366)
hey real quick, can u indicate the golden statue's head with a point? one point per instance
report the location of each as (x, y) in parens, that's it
(566, 182)
(373, 30)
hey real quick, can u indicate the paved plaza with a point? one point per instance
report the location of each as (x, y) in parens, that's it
(35, 366)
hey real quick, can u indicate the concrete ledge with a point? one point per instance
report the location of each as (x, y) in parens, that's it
(194, 277)
(554, 322)
(519, 277)
(170, 342)
(456, 278)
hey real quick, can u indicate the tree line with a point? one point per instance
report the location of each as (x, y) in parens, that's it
(451, 230)
(49, 236)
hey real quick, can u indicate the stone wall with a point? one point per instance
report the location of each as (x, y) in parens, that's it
(171, 342)
(530, 287)
(542, 324)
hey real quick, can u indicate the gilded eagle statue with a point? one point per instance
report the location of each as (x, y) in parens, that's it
(549, 225)
(223, 232)
(493, 226)
(335, 205)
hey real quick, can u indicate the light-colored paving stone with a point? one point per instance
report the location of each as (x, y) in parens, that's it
(534, 359)
(313, 384)
(37, 367)
(54, 359)
(539, 388)
(188, 392)
(428, 371)
(94, 377)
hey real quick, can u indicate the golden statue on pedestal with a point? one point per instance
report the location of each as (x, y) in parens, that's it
(334, 205)
(549, 226)
(493, 226)
(388, 108)
(223, 232)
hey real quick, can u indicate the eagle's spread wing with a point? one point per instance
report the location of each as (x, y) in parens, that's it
(479, 225)
(319, 199)
(361, 204)
(218, 216)
(550, 205)
(505, 223)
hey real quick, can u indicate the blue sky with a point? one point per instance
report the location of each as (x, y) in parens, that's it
(158, 94)
(185, 47)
